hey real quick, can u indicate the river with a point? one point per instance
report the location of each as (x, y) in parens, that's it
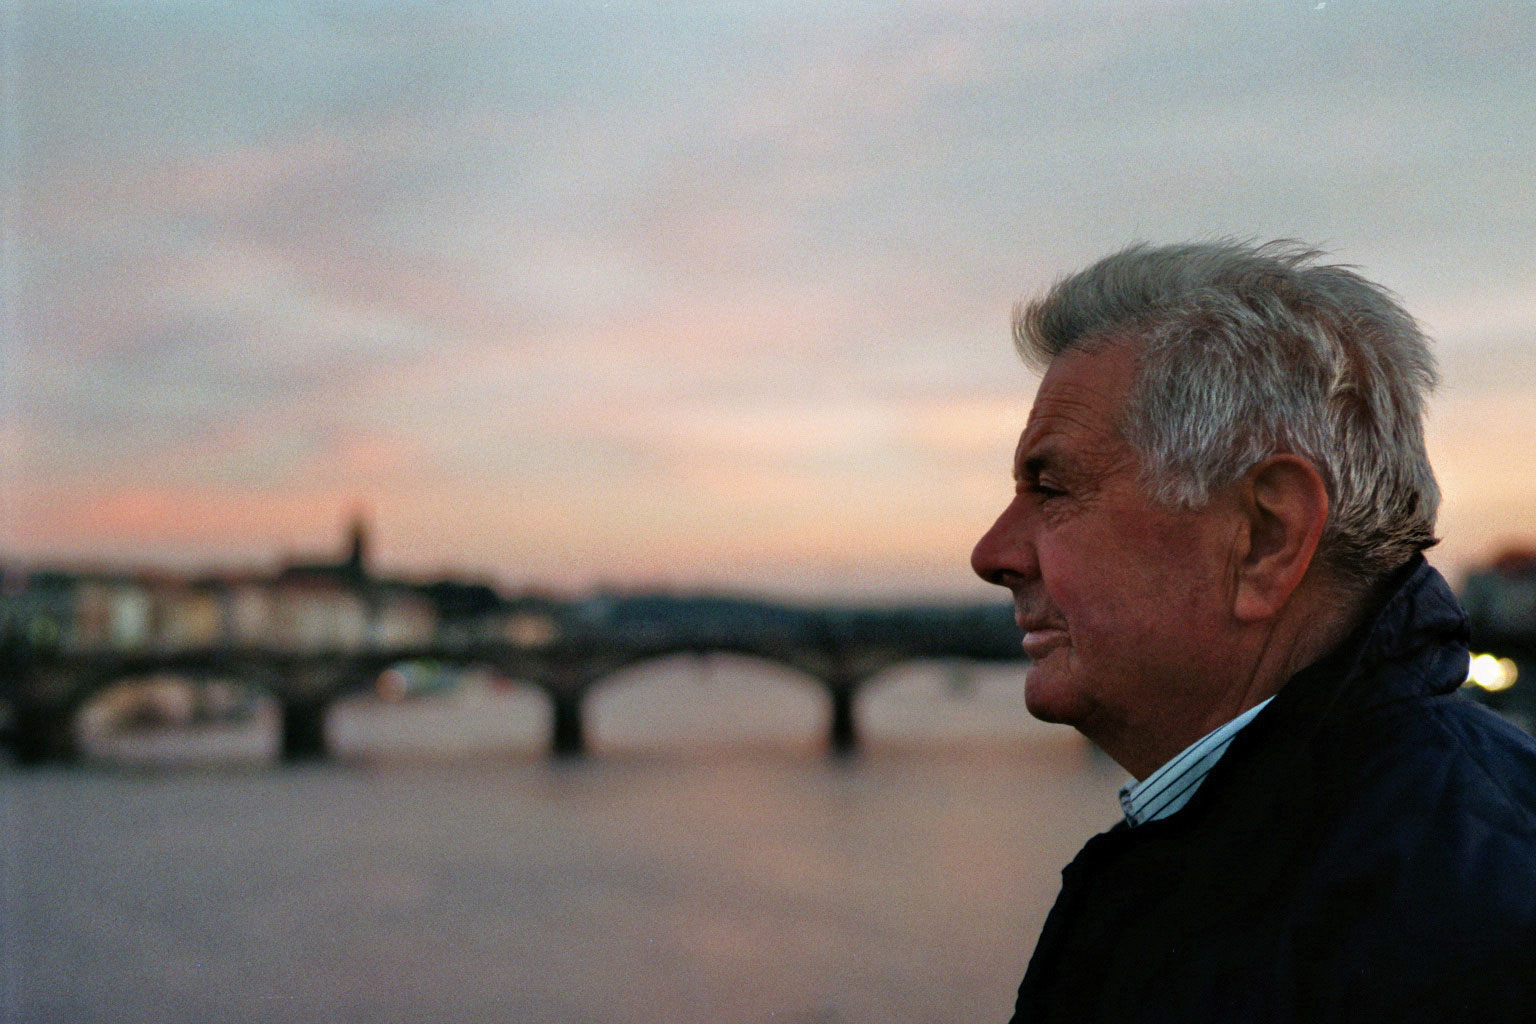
(708, 862)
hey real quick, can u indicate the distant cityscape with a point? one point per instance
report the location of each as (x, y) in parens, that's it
(302, 605)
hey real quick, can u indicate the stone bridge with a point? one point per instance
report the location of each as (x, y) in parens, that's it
(839, 649)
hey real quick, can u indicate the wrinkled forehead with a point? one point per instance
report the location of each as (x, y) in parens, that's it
(1086, 389)
(1079, 408)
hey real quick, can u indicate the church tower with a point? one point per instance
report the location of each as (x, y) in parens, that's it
(356, 564)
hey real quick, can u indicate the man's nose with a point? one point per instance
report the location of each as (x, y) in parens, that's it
(1005, 554)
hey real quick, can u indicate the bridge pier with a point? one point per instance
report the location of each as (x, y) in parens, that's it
(303, 729)
(843, 734)
(42, 734)
(569, 733)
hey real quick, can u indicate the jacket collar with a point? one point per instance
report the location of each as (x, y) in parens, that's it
(1415, 645)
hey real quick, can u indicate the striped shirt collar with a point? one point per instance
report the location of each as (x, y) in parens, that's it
(1170, 787)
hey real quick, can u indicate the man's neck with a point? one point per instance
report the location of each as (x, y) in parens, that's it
(1264, 658)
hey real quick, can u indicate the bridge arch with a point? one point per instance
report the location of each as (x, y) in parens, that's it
(944, 700)
(709, 697)
(474, 708)
(89, 712)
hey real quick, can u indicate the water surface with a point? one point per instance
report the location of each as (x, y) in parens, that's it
(708, 863)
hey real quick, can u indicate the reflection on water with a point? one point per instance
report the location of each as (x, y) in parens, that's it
(709, 863)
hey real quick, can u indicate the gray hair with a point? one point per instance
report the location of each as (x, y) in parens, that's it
(1248, 350)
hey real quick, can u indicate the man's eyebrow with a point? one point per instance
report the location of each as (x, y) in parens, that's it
(1029, 466)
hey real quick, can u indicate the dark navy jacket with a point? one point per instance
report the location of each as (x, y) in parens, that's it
(1365, 851)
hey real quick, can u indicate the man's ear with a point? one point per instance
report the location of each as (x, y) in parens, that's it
(1284, 504)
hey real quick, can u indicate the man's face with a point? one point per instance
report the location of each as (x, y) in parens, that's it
(1120, 599)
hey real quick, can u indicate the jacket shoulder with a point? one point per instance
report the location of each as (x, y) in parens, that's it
(1429, 823)
(1438, 761)
(1422, 889)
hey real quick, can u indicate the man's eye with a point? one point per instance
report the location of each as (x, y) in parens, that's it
(1045, 491)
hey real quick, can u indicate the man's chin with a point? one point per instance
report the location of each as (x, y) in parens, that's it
(1049, 698)
(1049, 713)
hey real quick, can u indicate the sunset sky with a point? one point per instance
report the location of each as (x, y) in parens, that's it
(694, 294)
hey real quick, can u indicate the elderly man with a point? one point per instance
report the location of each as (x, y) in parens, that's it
(1214, 550)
